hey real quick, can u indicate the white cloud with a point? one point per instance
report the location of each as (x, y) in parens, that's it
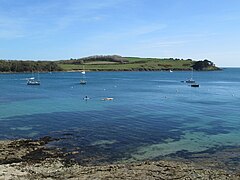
(45, 18)
(124, 33)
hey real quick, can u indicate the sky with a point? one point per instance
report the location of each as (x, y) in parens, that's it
(64, 29)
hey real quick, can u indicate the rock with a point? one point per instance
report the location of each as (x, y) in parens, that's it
(34, 161)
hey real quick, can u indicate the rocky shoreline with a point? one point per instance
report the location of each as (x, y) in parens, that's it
(32, 159)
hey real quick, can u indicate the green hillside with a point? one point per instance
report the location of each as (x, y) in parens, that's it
(118, 63)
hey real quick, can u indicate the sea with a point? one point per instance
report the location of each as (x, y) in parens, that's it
(152, 114)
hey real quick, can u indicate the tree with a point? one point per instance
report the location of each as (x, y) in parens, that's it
(202, 65)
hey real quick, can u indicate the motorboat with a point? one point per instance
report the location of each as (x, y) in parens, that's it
(190, 81)
(107, 99)
(83, 82)
(33, 81)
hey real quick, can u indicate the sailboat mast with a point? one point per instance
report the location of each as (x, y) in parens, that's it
(192, 73)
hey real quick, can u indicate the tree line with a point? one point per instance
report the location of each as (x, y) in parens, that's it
(28, 66)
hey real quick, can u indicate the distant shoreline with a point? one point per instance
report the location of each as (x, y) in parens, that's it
(108, 63)
(104, 70)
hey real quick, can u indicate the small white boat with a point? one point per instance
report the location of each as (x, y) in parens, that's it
(107, 99)
(190, 81)
(83, 71)
(33, 81)
(83, 82)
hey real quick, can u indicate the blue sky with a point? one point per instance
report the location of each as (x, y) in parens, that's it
(63, 29)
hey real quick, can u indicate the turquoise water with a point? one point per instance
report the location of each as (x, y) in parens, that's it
(153, 114)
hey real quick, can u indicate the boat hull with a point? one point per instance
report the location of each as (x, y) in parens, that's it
(194, 85)
(33, 83)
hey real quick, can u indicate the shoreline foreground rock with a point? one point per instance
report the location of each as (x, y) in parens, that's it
(32, 159)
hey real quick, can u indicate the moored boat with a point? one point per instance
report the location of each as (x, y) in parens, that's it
(33, 81)
(83, 82)
(190, 81)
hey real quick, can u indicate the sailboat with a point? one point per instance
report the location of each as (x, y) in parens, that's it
(191, 80)
(83, 72)
(83, 81)
(33, 81)
(50, 71)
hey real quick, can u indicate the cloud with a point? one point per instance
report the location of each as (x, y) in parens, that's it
(43, 18)
(131, 31)
(95, 4)
(167, 44)
(86, 11)
(40, 19)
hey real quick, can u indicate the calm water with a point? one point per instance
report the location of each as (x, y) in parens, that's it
(153, 114)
